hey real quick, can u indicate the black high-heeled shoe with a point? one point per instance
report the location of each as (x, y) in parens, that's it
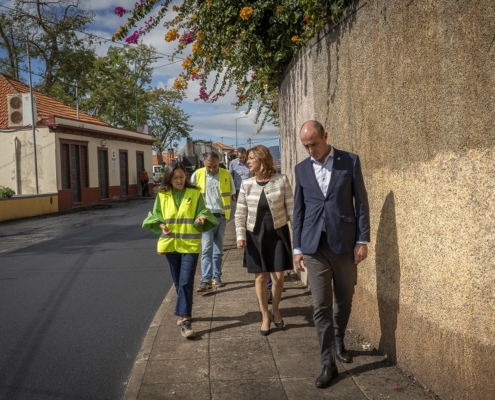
(279, 325)
(265, 333)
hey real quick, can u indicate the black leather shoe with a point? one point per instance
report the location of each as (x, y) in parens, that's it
(328, 373)
(341, 353)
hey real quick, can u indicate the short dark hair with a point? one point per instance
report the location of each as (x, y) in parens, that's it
(169, 173)
(241, 150)
(211, 155)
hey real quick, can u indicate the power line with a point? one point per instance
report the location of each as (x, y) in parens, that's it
(92, 34)
(21, 69)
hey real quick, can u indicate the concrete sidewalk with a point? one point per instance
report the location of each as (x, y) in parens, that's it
(229, 359)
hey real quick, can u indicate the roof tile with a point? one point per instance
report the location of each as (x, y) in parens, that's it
(45, 105)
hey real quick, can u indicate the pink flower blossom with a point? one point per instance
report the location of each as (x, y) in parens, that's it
(120, 11)
(187, 38)
(133, 39)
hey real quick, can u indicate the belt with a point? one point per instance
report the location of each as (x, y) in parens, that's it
(218, 215)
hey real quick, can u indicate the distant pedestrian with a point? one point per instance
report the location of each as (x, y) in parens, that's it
(144, 179)
(264, 207)
(239, 169)
(330, 235)
(217, 187)
(180, 215)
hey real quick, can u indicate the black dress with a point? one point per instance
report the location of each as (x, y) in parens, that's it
(268, 249)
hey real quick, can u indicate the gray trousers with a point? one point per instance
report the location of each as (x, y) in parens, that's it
(331, 275)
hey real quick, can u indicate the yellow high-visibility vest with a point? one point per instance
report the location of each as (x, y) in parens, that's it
(185, 238)
(225, 188)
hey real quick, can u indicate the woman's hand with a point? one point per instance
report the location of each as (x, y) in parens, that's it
(200, 220)
(241, 244)
(165, 230)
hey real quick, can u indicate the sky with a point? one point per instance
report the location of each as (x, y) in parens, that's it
(216, 121)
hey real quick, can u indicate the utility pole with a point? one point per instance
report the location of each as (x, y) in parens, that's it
(33, 117)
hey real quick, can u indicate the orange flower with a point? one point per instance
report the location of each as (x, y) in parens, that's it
(172, 35)
(200, 36)
(194, 70)
(187, 62)
(176, 8)
(246, 13)
(180, 84)
(295, 39)
(196, 48)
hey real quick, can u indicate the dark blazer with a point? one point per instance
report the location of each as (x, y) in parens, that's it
(345, 206)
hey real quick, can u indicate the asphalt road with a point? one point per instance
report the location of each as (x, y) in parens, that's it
(76, 301)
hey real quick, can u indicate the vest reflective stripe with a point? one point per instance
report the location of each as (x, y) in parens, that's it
(182, 236)
(185, 238)
(225, 189)
(179, 221)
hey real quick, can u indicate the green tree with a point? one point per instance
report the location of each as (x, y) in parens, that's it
(53, 31)
(118, 85)
(168, 122)
(9, 32)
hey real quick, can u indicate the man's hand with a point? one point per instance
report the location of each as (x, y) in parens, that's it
(360, 252)
(234, 198)
(299, 262)
(200, 220)
(241, 244)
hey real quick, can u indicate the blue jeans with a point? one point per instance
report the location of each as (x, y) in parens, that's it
(212, 251)
(182, 269)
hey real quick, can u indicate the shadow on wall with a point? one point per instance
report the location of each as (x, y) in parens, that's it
(388, 277)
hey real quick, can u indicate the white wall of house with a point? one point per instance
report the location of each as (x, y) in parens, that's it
(17, 161)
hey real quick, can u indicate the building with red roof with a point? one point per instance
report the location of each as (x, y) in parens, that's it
(69, 156)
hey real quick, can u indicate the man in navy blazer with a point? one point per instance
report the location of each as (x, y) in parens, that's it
(331, 230)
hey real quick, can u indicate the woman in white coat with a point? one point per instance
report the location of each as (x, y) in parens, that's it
(264, 208)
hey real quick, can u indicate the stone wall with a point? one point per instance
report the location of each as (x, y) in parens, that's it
(409, 85)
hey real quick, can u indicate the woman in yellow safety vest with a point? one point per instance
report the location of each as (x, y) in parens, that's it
(180, 215)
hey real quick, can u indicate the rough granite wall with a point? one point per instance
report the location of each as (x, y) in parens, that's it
(409, 85)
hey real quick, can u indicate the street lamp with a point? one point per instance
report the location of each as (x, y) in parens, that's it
(236, 130)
